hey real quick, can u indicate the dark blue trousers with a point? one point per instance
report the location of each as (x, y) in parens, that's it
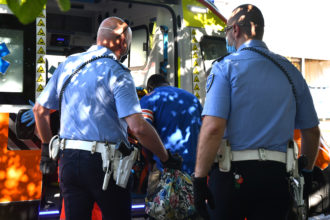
(81, 180)
(256, 190)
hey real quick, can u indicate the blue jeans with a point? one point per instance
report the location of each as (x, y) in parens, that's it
(81, 179)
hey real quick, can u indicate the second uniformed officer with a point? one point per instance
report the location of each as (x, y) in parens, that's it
(254, 99)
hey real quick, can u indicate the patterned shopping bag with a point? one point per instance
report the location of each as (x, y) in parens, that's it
(171, 196)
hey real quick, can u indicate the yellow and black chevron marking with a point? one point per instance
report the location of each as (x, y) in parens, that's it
(41, 22)
(41, 52)
(41, 41)
(196, 59)
(40, 79)
(41, 32)
(40, 88)
(41, 60)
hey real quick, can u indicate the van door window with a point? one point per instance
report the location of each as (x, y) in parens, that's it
(53, 61)
(139, 47)
(212, 48)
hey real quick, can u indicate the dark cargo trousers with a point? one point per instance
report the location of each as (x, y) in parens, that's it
(256, 190)
(81, 180)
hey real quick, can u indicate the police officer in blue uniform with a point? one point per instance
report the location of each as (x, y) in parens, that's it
(255, 106)
(98, 105)
(176, 115)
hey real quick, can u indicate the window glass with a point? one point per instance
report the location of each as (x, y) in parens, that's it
(138, 51)
(213, 47)
(12, 79)
(18, 49)
(53, 62)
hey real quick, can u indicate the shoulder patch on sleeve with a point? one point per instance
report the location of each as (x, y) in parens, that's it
(209, 82)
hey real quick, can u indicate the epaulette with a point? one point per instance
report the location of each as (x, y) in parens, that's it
(220, 58)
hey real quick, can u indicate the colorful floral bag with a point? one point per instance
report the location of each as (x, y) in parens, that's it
(170, 196)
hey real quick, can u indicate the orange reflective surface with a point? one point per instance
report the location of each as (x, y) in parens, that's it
(20, 177)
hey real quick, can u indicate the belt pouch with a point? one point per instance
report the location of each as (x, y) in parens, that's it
(224, 156)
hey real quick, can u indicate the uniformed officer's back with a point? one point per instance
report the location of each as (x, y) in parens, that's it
(255, 99)
(96, 106)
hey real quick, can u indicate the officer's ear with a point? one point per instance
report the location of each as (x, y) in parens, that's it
(236, 30)
(124, 43)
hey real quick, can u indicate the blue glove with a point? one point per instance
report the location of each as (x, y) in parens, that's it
(28, 116)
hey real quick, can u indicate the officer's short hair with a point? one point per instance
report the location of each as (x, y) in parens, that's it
(156, 80)
(246, 15)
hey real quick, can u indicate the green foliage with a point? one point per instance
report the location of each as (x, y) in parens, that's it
(27, 10)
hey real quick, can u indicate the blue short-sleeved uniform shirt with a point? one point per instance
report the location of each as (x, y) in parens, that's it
(176, 115)
(96, 100)
(256, 99)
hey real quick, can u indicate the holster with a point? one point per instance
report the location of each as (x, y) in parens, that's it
(116, 164)
(296, 179)
(223, 156)
(292, 158)
(54, 147)
(124, 168)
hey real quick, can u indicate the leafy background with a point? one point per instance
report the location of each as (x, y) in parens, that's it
(27, 10)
